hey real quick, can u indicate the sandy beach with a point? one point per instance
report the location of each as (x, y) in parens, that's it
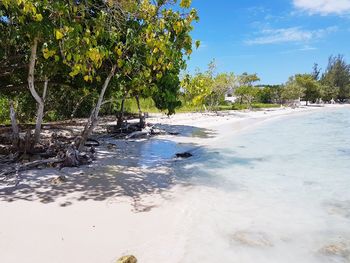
(127, 201)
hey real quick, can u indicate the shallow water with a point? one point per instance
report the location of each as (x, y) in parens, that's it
(278, 193)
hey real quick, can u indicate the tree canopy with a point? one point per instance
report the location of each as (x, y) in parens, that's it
(94, 48)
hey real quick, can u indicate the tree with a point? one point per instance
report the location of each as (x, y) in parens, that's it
(292, 90)
(248, 79)
(328, 93)
(310, 86)
(264, 94)
(27, 25)
(137, 43)
(94, 51)
(208, 88)
(197, 88)
(316, 71)
(247, 94)
(270, 94)
(221, 85)
(337, 76)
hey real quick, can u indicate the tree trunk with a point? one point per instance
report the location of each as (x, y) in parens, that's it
(27, 141)
(15, 130)
(121, 114)
(34, 93)
(141, 117)
(40, 113)
(250, 104)
(90, 125)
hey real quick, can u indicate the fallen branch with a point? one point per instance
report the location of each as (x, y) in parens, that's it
(23, 167)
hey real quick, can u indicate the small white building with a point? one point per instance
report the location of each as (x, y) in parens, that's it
(231, 99)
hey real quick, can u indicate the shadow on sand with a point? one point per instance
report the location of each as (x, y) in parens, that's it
(133, 169)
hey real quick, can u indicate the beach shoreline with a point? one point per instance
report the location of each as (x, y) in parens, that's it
(121, 204)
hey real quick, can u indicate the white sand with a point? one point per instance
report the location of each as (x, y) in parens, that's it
(119, 205)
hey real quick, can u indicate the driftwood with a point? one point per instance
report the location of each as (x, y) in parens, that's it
(72, 158)
(75, 158)
(57, 152)
(14, 168)
(135, 130)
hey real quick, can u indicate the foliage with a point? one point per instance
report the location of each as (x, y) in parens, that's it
(328, 93)
(337, 77)
(247, 94)
(221, 85)
(310, 86)
(197, 88)
(292, 90)
(208, 88)
(248, 79)
(4, 110)
(78, 44)
(270, 94)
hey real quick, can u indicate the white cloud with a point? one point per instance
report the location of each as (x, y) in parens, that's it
(292, 34)
(306, 48)
(324, 7)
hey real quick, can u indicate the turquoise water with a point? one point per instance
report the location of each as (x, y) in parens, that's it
(276, 193)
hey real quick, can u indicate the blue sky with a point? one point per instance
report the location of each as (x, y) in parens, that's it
(273, 38)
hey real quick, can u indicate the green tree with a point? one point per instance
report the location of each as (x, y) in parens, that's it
(292, 90)
(337, 76)
(27, 25)
(247, 94)
(137, 43)
(221, 85)
(248, 79)
(197, 88)
(316, 72)
(94, 51)
(208, 88)
(270, 94)
(328, 93)
(310, 86)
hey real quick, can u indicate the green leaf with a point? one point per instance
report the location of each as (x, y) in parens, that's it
(58, 34)
(185, 3)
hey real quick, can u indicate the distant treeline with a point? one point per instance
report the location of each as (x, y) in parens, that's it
(209, 89)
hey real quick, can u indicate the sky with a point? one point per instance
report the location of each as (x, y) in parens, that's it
(273, 38)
